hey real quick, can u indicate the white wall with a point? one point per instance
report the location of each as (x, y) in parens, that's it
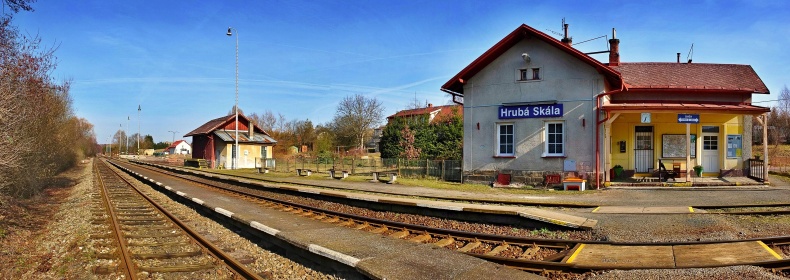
(566, 79)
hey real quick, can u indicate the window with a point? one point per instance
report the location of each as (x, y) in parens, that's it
(505, 139)
(555, 139)
(529, 74)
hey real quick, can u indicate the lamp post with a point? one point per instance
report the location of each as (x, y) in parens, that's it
(236, 105)
(138, 129)
(126, 135)
(174, 135)
(120, 133)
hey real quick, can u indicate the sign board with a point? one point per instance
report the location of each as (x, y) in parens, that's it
(530, 111)
(734, 145)
(688, 118)
(458, 99)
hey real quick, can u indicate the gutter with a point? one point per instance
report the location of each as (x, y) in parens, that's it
(454, 94)
(598, 123)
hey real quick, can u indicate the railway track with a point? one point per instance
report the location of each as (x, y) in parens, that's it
(531, 254)
(147, 241)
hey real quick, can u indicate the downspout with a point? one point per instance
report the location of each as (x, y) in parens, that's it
(598, 123)
(453, 94)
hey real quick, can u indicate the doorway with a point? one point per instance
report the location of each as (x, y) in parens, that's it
(643, 149)
(710, 149)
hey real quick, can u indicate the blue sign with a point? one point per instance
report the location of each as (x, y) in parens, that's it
(688, 118)
(530, 111)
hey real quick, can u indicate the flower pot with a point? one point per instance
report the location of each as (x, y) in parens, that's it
(698, 171)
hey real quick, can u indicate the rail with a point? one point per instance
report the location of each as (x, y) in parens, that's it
(532, 254)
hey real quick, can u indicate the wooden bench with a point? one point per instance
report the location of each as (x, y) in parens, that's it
(304, 172)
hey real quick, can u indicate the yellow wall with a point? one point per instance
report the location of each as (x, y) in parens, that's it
(622, 129)
(248, 154)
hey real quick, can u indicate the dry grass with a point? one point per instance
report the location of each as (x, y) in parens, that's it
(21, 222)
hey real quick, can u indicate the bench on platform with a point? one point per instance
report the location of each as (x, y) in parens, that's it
(304, 172)
(344, 174)
(263, 170)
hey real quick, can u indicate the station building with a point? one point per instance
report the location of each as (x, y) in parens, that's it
(536, 106)
(214, 141)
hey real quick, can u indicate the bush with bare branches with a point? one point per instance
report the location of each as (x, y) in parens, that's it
(39, 134)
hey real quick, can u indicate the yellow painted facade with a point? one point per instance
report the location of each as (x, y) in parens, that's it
(248, 154)
(623, 129)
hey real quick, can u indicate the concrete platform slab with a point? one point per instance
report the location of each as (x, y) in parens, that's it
(723, 254)
(616, 256)
(643, 210)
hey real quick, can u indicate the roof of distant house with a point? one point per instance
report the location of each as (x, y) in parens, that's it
(443, 111)
(175, 144)
(691, 76)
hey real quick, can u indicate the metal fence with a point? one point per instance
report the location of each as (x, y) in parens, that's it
(756, 169)
(446, 170)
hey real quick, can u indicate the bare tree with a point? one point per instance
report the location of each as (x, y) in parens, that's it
(355, 116)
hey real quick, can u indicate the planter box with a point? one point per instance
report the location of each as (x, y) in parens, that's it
(574, 184)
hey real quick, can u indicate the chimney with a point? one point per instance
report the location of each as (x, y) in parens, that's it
(430, 105)
(678, 57)
(565, 39)
(614, 49)
(252, 129)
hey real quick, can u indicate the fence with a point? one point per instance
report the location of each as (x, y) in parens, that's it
(446, 170)
(756, 168)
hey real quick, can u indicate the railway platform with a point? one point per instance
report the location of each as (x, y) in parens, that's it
(341, 189)
(671, 256)
(369, 254)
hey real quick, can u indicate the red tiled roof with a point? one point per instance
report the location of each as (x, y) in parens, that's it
(443, 111)
(174, 144)
(214, 124)
(692, 76)
(686, 107)
(524, 31)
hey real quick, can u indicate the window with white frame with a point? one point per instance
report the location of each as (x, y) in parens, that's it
(505, 137)
(555, 139)
(529, 74)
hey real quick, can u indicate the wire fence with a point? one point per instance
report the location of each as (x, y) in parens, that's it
(446, 170)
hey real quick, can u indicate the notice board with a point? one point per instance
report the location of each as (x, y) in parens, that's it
(674, 145)
(734, 145)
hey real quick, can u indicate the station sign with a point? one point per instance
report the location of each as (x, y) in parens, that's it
(688, 118)
(531, 111)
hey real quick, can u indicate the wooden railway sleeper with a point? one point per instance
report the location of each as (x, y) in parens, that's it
(530, 252)
(445, 242)
(401, 234)
(470, 246)
(422, 238)
(499, 249)
(380, 230)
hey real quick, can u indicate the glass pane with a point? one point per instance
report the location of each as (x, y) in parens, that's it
(710, 129)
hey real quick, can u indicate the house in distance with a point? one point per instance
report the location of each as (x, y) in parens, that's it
(214, 141)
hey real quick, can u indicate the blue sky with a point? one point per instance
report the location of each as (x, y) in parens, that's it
(300, 58)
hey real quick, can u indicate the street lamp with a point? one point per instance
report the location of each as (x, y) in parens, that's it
(174, 135)
(236, 106)
(126, 135)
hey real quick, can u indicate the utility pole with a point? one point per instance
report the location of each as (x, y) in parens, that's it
(138, 128)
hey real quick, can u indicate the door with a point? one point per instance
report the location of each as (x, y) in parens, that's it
(710, 149)
(643, 149)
